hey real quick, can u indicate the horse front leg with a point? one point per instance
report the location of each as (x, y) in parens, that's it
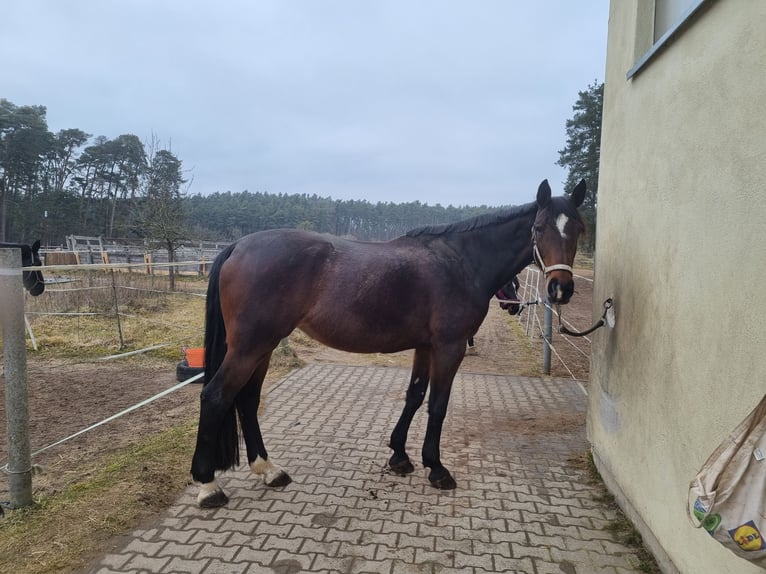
(399, 462)
(248, 401)
(445, 363)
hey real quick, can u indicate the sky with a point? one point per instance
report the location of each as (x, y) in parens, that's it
(437, 101)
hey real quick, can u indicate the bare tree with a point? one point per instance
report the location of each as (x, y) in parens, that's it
(160, 215)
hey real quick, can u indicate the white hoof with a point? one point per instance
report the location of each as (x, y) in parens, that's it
(211, 495)
(273, 475)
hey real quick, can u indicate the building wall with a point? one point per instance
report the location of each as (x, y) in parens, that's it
(681, 248)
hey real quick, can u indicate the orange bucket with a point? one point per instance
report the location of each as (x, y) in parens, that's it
(195, 357)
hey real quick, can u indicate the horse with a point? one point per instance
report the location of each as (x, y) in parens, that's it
(427, 290)
(33, 280)
(508, 296)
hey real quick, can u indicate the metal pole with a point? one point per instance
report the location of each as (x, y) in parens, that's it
(117, 311)
(15, 368)
(547, 334)
(89, 273)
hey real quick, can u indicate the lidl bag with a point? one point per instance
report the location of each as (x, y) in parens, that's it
(728, 496)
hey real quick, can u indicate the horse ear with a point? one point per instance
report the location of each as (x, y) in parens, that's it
(578, 193)
(35, 246)
(543, 194)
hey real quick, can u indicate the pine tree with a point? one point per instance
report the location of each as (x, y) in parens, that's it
(582, 151)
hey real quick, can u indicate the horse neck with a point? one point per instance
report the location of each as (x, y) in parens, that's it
(499, 252)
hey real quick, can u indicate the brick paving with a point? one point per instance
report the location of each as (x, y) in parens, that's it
(522, 504)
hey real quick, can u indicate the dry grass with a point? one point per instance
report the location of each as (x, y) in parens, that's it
(82, 518)
(527, 358)
(148, 315)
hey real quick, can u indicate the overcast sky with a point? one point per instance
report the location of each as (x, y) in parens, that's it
(448, 102)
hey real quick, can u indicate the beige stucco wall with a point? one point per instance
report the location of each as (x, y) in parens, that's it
(681, 248)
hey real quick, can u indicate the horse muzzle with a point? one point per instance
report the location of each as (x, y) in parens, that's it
(560, 290)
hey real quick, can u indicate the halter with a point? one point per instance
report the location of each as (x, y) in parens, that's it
(538, 259)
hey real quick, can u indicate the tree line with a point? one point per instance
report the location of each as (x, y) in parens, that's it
(231, 215)
(64, 183)
(56, 184)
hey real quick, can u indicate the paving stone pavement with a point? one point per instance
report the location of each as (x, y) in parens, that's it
(522, 504)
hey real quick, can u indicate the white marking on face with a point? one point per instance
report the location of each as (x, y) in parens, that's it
(561, 224)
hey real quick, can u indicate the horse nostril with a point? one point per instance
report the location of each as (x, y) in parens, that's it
(560, 292)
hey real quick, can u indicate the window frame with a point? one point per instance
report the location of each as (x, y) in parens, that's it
(665, 39)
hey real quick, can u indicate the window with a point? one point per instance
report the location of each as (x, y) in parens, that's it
(667, 17)
(667, 13)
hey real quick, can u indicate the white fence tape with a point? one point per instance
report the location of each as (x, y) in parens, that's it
(113, 417)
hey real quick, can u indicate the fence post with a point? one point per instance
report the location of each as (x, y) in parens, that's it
(15, 367)
(547, 335)
(117, 311)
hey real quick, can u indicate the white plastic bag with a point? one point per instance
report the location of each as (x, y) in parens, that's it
(728, 496)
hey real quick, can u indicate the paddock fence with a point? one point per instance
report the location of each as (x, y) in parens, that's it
(90, 314)
(191, 258)
(540, 322)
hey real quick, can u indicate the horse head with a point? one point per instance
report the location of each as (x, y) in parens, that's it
(33, 280)
(557, 227)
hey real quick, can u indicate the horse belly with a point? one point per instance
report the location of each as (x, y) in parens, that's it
(352, 334)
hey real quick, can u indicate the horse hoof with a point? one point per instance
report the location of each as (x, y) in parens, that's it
(444, 483)
(215, 499)
(281, 479)
(402, 468)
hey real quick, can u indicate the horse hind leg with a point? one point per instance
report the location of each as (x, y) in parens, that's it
(399, 462)
(217, 436)
(248, 401)
(217, 441)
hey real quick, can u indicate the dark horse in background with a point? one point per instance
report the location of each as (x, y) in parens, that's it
(508, 295)
(428, 290)
(32, 279)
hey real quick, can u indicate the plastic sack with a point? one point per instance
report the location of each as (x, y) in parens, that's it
(728, 496)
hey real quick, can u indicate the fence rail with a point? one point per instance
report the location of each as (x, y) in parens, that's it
(190, 257)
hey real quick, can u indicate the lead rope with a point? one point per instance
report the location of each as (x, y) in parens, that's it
(600, 323)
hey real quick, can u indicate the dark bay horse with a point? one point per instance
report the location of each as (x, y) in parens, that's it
(33, 280)
(428, 290)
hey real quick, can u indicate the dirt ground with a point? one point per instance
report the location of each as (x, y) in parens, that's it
(65, 396)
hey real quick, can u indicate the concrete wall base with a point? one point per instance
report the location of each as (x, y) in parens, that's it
(650, 541)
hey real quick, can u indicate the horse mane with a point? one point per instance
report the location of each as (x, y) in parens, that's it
(485, 220)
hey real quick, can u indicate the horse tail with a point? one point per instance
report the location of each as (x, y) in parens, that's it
(227, 454)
